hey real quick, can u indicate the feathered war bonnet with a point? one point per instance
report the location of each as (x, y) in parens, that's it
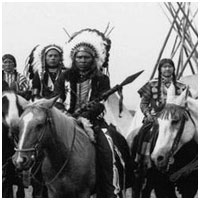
(36, 60)
(92, 41)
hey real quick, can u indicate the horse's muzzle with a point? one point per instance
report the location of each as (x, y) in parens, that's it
(22, 161)
(160, 161)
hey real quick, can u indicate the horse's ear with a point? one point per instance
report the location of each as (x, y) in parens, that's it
(50, 102)
(170, 94)
(181, 99)
(23, 102)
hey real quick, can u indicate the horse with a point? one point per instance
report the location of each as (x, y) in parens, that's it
(12, 107)
(68, 165)
(175, 150)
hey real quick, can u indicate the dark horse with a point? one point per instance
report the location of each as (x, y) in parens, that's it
(12, 107)
(173, 150)
(68, 165)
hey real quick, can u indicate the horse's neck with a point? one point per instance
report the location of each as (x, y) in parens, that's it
(64, 127)
(60, 139)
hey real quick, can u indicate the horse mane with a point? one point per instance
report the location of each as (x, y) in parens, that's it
(176, 112)
(63, 123)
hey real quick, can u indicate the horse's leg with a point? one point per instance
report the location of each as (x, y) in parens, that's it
(163, 187)
(20, 191)
(7, 189)
(39, 189)
(146, 192)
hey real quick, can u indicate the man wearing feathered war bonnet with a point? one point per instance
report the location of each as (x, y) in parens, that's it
(50, 65)
(86, 56)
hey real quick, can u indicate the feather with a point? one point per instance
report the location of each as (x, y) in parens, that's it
(94, 38)
(35, 61)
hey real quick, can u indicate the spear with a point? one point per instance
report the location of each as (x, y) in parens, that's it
(106, 94)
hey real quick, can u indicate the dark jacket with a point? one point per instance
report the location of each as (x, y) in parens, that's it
(100, 83)
(40, 88)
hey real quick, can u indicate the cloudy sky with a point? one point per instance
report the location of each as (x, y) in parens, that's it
(138, 35)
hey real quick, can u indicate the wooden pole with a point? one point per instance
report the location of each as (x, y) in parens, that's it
(165, 42)
(187, 55)
(187, 60)
(174, 46)
(187, 36)
(179, 5)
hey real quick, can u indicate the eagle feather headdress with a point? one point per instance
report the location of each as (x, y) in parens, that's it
(36, 60)
(90, 38)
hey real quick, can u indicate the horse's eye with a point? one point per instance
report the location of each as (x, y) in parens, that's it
(175, 121)
(39, 126)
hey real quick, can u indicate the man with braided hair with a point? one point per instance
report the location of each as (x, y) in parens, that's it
(49, 61)
(153, 94)
(13, 80)
(153, 98)
(86, 55)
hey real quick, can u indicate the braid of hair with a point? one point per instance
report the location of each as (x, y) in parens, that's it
(159, 83)
(174, 82)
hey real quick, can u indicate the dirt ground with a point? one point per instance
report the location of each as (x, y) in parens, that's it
(28, 193)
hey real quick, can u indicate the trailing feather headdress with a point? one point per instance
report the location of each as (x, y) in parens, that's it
(93, 41)
(36, 60)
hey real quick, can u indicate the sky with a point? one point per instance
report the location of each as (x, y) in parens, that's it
(138, 35)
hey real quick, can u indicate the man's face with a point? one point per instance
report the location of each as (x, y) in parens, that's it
(167, 70)
(83, 60)
(53, 58)
(8, 65)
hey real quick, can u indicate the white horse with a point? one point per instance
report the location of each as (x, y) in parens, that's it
(177, 126)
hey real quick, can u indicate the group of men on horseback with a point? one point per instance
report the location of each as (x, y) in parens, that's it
(78, 75)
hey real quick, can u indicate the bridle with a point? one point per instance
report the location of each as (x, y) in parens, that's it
(185, 117)
(35, 150)
(176, 142)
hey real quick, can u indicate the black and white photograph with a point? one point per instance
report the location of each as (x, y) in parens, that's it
(99, 99)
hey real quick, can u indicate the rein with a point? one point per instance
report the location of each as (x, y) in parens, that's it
(177, 139)
(34, 149)
(52, 125)
(190, 167)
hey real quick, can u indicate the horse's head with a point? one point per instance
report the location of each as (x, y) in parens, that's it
(175, 128)
(32, 128)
